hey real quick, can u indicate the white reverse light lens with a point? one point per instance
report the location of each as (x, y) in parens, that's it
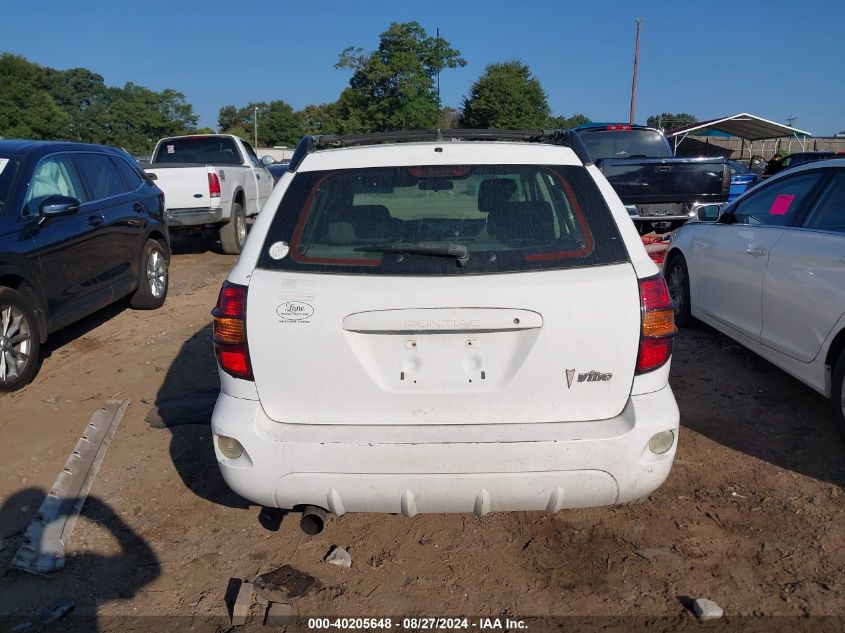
(230, 447)
(660, 442)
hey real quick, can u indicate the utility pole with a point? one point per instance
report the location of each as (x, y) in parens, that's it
(791, 119)
(438, 77)
(636, 64)
(255, 121)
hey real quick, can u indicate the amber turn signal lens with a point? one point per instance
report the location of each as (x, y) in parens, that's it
(659, 323)
(228, 331)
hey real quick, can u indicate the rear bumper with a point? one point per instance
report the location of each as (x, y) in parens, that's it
(634, 213)
(194, 217)
(469, 468)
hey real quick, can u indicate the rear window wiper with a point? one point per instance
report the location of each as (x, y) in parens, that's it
(438, 249)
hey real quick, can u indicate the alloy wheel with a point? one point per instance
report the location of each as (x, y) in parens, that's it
(676, 287)
(15, 343)
(156, 274)
(241, 230)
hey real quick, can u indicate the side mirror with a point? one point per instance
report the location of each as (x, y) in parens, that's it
(56, 206)
(267, 160)
(709, 212)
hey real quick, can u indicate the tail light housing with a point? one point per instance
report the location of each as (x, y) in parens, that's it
(229, 337)
(658, 324)
(213, 185)
(726, 178)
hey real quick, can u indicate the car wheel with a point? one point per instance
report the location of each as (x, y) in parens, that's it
(837, 397)
(153, 277)
(20, 340)
(233, 234)
(677, 278)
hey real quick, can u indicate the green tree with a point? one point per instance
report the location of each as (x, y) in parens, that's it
(667, 120)
(566, 123)
(392, 88)
(45, 103)
(321, 119)
(83, 96)
(507, 95)
(27, 110)
(278, 124)
(228, 118)
(448, 118)
(138, 116)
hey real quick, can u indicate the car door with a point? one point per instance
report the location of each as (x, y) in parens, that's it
(734, 254)
(116, 258)
(136, 211)
(262, 179)
(63, 245)
(804, 285)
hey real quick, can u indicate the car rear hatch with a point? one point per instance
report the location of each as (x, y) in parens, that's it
(364, 310)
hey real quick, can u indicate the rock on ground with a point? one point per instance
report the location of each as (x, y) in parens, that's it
(705, 609)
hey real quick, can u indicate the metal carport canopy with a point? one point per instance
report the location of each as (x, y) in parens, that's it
(743, 125)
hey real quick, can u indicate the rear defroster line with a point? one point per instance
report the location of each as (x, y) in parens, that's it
(45, 539)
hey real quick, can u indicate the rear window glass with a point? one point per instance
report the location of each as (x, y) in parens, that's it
(625, 144)
(430, 220)
(210, 150)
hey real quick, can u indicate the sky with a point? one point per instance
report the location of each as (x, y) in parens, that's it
(775, 59)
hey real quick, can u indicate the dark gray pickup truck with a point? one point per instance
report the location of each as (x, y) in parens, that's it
(659, 190)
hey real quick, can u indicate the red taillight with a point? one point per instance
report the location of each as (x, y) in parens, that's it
(231, 302)
(726, 179)
(657, 326)
(229, 338)
(213, 185)
(617, 127)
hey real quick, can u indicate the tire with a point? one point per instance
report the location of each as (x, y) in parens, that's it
(837, 393)
(677, 278)
(20, 340)
(153, 277)
(233, 234)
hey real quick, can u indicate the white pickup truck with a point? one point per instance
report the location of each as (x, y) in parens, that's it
(210, 180)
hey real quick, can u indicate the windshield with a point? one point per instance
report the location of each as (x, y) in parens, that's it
(209, 150)
(8, 170)
(442, 220)
(625, 144)
(738, 168)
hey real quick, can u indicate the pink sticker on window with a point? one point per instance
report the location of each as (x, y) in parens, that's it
(781, 204)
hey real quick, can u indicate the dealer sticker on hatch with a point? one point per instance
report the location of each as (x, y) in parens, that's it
(295, 312)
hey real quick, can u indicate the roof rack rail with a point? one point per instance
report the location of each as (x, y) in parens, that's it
(566, 138)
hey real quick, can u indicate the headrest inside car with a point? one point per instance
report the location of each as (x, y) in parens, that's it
(522, 223)
(494, 192)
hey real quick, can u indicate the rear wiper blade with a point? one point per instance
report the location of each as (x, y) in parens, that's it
(438, 249)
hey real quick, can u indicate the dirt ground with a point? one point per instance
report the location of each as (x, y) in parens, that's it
(752, 515)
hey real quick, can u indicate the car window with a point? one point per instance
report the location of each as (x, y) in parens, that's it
(253, 157)
(508, 217)
(777, 204)
(625, 144)
(8, 169)
(99, 174)
(53, 176)
(828, 213)
(131, 178)
(738, 168)
(208, 150)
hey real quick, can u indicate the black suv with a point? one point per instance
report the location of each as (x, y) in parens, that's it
(81, 226)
